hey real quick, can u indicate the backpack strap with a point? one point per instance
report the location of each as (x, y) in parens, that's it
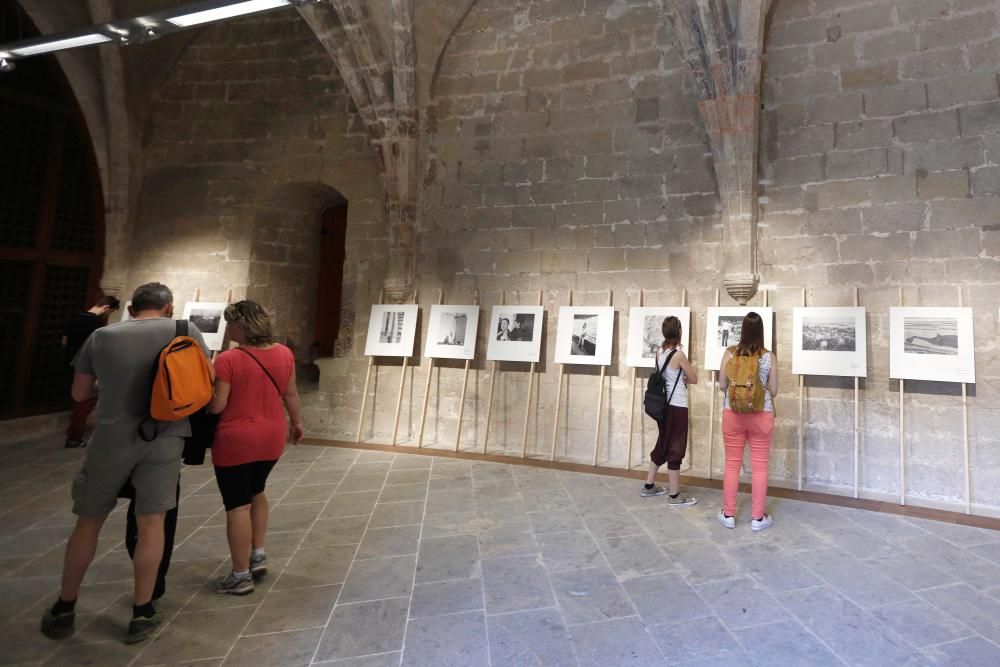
(269, 376)
(677, 381)
(180, 328)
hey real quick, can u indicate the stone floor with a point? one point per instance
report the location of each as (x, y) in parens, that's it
(387, 559)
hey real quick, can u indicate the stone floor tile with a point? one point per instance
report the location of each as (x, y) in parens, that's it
(741, 603)
(378, 660)
(350, 504)
(353, 482)
(444, 558)
(569, 551)
(412, 462)
(555, 521)
(545, 501)
(448, 502)
(108, 653)
(407, 476)
(668, 526)
(388, 515)
(921, 623)
(979, 572)
(859, 542)
(287, 649)
(622, 642)
(503, 511)
(403, 492)
(665, 598)
(975, 609)
(990, 551)
(701, 561)
(457, 484)
(379, 578)
(683, 640)
(786, 643)
(858, 581)
(363, 629)
(968, 651)
(890, 527)
(381, 542)
(911, 571)
(311, 493)
(203, 543)
(316, 566)
(372, 467)
(536, 637)
(446, 525)
(590, 595)
(771, 567)
(508, 540)
(601, 502)
(634, 556)
(852, 633)
(294, 609)
(446, 641)
(297, 517)
(196, 636)
(611, 524)
(515, 583)
(22, 643)
(336, 532)
(447, 597)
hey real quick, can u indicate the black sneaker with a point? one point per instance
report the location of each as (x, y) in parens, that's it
(141, 628)
(58, 626)
(75, 444)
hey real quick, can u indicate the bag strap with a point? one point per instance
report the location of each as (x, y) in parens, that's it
(676, 381)
(180, 328)
(269, 376)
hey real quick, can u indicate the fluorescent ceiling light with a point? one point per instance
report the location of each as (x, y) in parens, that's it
(227, 12)
(59, 44)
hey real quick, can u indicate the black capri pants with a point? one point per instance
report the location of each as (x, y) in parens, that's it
(239, 484)
(671, 443)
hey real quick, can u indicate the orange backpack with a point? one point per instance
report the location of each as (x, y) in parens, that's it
(182, 382)
(746, 392)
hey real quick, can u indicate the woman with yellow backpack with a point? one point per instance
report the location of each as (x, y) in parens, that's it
(748, 378)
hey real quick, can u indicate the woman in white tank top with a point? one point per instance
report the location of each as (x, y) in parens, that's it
(671, 443)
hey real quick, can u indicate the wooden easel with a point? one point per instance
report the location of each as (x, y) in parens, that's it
(368, 377)
(802, 414)
(600, 401)
(465, 387)
(527, 405)
(857, 416)
(902, 432)
(965, 434)
(402, 383)
(631, 409)
(711, 410)
(562, 375)
(493, 384)
(427, 385)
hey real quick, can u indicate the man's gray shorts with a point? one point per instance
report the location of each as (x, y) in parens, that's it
(154, 468)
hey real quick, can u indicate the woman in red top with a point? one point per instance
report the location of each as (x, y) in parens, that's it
(254, 385)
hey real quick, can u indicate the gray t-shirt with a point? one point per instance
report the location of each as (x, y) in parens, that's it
(122, 357)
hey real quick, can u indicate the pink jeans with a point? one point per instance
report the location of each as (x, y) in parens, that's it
(737, 429)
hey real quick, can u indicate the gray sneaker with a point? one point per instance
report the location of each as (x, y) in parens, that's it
(655, 491)
(233, 585)
(141, 628)
(258, 565)
(681, 501)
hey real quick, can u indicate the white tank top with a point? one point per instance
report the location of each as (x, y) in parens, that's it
(673, 375)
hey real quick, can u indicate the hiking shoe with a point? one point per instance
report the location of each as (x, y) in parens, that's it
(655, 491)
(681, 501)
(57, 626)
(727, 521)
(764, 522)
(75, 444)
(258, 565)
(233, 585)
(141, 628)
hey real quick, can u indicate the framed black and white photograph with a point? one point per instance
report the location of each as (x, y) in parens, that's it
(391, 330)
(829, 341)
(515, 333)
(645, 332)
(451, 332)
(723, 326)
(585, 335)
(931, 344)
(207, 316)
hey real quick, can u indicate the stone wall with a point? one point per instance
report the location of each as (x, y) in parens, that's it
(251, 137)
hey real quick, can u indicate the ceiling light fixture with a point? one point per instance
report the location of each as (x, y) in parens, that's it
(226, 12)
(59, 44)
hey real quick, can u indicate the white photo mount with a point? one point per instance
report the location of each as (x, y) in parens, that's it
(391, 330)
(451, 332)
(585, 335)
(722, 330)
(830, 341)
(931, 344)
(208, 317)
(645, 332)
(515, 333)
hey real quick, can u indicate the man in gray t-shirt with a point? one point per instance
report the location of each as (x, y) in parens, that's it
(117, 364)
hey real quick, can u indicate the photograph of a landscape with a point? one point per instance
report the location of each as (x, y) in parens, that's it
(930, 335)
(829, 334)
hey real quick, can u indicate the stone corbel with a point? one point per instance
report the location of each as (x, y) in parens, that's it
(723, 50)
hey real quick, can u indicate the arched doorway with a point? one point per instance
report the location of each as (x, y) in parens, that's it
(51, 226)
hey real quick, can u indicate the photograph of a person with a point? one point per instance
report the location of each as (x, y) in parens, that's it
(928, 335)
(651, 335)
(391, 330)
(645, 332)
(451, 332)
(515, 333)
(207, 316)
(729, 330)
(929, 343)
(723, 327)
(829, 334)
(584, 335)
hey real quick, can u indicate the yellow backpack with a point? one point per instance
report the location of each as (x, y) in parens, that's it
(746, 392)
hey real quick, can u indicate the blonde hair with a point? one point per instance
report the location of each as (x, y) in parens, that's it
(254, 320)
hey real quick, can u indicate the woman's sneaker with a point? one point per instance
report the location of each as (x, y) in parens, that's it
(681, 501)
(655, 491)
(764, 522)
(727, 521)
(233, 585)
(57, 626)
(258, 565)
(141, 628)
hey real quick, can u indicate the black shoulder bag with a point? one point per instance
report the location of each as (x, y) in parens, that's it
(656, 399)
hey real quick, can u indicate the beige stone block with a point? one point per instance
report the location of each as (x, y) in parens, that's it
(894, 218)
(839, 194)
(956, 30)
(947, 92)
(934, 64)
(981, 212)
(943, 184)
(867, 248)
(651, 259)
(856, 164)
(896, 100)
(835, 108)
(606, 259)
(980, 119)
(986, 182)
(945, 155)
(872, 76)
(951, 243)
(563, 261)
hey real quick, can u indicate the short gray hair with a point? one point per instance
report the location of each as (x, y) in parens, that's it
(151, 296)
